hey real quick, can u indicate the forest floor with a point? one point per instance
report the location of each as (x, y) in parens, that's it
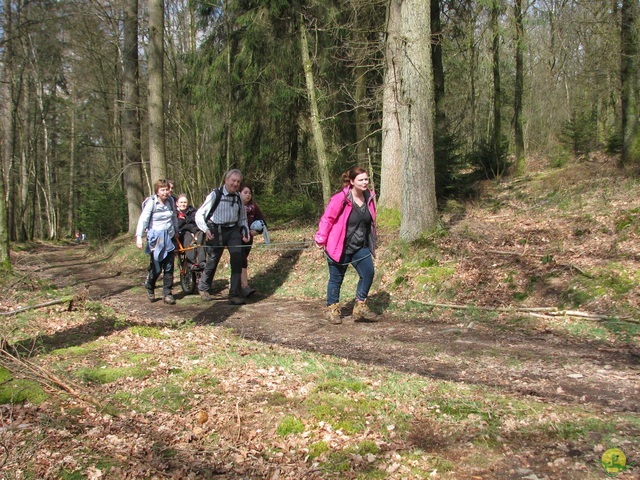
(583, 363)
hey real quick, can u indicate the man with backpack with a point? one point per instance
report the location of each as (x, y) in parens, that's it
(223, 220)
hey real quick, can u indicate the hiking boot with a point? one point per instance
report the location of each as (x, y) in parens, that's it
(237, 301)
(361, 312)
(150, 292)
(204, 295)
(169, 300)
(248, 291)
(332, 313)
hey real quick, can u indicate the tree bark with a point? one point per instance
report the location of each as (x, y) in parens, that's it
(362, 118)
(131, 134)
(419, 209)
(438, 67)
(496, 134)
(316, 127)
(7, 122)
(390, 179)
(629, 81)
(46, 185)
(519, 89)
(157, 158)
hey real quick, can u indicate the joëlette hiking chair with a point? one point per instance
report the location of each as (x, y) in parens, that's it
(189, 275)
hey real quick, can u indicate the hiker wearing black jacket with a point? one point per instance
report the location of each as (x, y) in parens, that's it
(189, 233)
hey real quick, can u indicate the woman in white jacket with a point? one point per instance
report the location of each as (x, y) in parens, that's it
(160, 222)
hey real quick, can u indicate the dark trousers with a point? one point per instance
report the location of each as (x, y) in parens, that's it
(232, 239)
(164, 266)
(245, 253)
(196, 255)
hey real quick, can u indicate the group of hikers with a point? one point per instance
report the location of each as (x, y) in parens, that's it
(229, 218)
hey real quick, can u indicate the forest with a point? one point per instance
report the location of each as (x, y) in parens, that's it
(501, 138)
(100, 98)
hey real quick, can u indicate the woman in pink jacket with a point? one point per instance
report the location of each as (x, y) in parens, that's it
(347, 234)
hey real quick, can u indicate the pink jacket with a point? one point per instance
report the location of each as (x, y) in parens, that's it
(332, 228)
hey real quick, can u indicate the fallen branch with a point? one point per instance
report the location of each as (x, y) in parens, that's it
(14, 363)
(39, 305)
(547, 311)
(239, 422)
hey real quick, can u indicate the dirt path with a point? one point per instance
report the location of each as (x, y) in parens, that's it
(538, 364)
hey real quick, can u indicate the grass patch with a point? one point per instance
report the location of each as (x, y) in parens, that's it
(336, 462)
(347, 414)
(341, 386)
(104, 374)
(148, 332)
(76, 351)
(18, 390)
(318, 449)
(289, 425)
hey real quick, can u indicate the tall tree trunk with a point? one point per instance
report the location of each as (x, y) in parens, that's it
(157, 158)
(519, 89)
(419, 209)
(229, 106)
(46, 161)
(7, 137)
(5, 260)
(131, 134)
(316, 128)
(390, 180)
(362, 118)
(629, 81)
(438, 67)
(72, 165)
(496, 132)
(473, 109)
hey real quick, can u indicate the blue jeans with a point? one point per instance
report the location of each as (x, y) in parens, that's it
(362, 261)
(164, 266)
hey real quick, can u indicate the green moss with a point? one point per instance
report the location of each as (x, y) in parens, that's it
(289, 425)
(366, 447)
(148, 332)
(75, 351)
(104, 374)
(14, 391)
(317, 449)
(341, 386)
(5, 375)
(336, 462)
(343, 413)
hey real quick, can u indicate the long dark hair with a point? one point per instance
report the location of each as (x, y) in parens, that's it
(244, 185)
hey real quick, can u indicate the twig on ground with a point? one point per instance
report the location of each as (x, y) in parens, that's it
(546, 311)
(40, 305)
(239, 422)
(42, 375)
